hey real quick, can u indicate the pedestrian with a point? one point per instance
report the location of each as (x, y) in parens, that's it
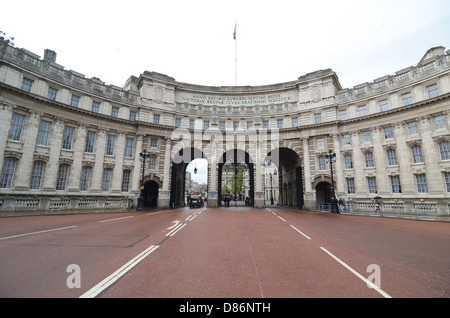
(378, 205)
(341, 205)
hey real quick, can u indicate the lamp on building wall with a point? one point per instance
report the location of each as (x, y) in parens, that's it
(330, 157)
(143, 157)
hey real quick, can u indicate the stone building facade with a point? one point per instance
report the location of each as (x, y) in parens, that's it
(71, 142)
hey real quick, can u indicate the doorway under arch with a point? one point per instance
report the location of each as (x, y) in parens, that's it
(151, 190)
(323, 192)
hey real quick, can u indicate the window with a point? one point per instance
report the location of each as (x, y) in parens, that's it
(407, 99)
(44, 131)
(206, 125)
(360, 90)
(350, 185)
(348, 161)
(343, 114)
(369, 159)
(129, 148)
(384, 105)
(320, 143)
(265, 124)
(444, 148)
(154, 143)
(115, 112)
(249, 125)
(110, 145)
(428, 66)
(85, 178)
(36, 175)
(95, 107)
(388, 133)
(222, 125)
(362, 110)
(177, 122)
(447, 180)
(51, 93)
(395, 184)
(90, 140)
(412, 128)
(279, 123)
(366, 136)
(346, 140)
(61, 180)
(132, 116)
(126, 181)
(439, 122)
(433, 91)
(106, 181)
(381, 84)
(317, 118)
(67, 139)
(9, 166)
(372, 184)
(235, 125)
(16, 127)
(26, 84)
(295, 122)
(322, 164)
(152, 162)
(403, 76)
(417, 153)
(156, 119)
(191, 123)
(392, 157)
(75, 101)
(421, 181)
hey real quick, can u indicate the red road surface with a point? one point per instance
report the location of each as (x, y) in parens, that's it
(223, 252)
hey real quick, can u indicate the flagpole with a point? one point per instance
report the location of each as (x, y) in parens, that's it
(235, 53)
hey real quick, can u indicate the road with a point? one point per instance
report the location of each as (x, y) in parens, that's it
(223, 253)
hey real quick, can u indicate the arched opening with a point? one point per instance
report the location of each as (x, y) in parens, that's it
(289, 174)
(178, 189)
(151, 190)
(323, 192)
(236, 179)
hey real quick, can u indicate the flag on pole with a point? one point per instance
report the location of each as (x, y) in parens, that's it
(234, 34)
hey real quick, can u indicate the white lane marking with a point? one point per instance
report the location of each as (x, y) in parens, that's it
(281, 218)
(379, 290)
(177, 229)
(111, 279)
(125, 217)
(39, 232)
(175, 225)
(300, 232)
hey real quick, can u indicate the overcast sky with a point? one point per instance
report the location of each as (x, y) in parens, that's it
(192, 41)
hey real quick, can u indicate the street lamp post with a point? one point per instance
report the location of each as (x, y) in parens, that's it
(143, 157)
(330, 157)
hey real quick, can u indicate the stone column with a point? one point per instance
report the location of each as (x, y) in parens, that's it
(78, 151)
(431, 158)
(137, 171)
(52, 165)
(407, 181)
(6, 113)
(28, 138)
(379, 161)
(119, 152)
(338, 168)
(308, 195)
(97, 171)
(164, 194)
(358, 165)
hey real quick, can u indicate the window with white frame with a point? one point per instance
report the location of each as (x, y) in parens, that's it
(44, 131)
(392, 157)
(106, 181)
(235, 125)
(368, 156)
(85, 178)
(110, 145)
(433, 91)
(177, 122)
(350, 185)
(322, 163)
(428, 67)
(152, 162)
(421, 181)
(343, 114)
(90, 140)
(156, 118)
(133, 115)
(417, 153)
(265, 124)
(320, 143)
(412, 128)
(205, 124)
(395, 184)
(384, 105)
(403, 76)
(407, 99)
(126, 180)
(444, 149)
(348, 161)
(67, 138)
(115, 112)
(191, 123)
(388, 133)
(129, 147)
(222, 125)
(372, 184)
(9, 166)
(95, 108)
(346, 139)
(447, 180)
(61, 180)
(295, 122)
(154, 143)
(439, 122)
(16, 127)
(362, 110)
(51, 93)
(26, 84)
(36, 175)
(366, 136)
(75, 101)
(279, 123)
(317, 118)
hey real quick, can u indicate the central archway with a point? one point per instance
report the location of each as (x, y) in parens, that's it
(232, 161)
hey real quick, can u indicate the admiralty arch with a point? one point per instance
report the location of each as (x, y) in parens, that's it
(68, 142)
